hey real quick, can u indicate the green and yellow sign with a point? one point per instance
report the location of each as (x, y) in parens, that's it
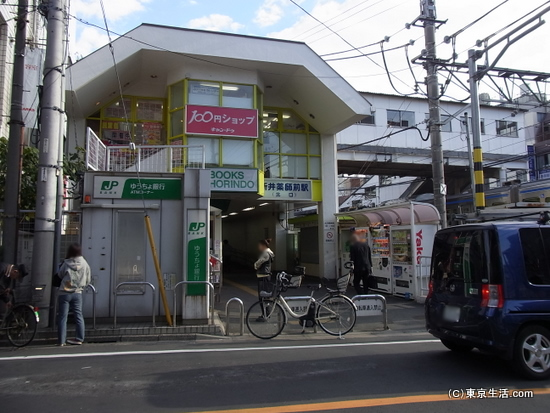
(197, 251)
(111, 187)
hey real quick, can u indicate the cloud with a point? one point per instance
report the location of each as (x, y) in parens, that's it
(269, 13)
(86, 39)
(115, 10)
(193, 2)
(216, 22)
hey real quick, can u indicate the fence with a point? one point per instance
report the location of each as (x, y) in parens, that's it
(142, 158)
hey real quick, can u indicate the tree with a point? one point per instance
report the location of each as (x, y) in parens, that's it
(73, 167)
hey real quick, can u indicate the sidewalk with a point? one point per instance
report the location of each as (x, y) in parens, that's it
(404, 317)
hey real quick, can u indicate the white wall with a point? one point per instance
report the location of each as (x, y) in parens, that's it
(454, 140)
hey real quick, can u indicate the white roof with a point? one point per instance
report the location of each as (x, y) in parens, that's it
(295, 74)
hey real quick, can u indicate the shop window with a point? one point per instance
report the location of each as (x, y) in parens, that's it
(271, 166)
(211, 149)
(203, 93)
(294, 143)
(116, 133)
(271, 142)
(400, 118)
(176, 123)
(270, 120)
(176, 96)
(292, 122)
(238, 152)
(119, 110)
(367, 120)
(238, 96)
(149, 109)
(149, 133)
(314, 145)
(315, 167)
(294, 167)
(506, 128)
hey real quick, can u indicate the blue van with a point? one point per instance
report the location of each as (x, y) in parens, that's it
(490, 289)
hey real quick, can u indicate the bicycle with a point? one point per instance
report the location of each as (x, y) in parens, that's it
(334, 313)
(20, 324)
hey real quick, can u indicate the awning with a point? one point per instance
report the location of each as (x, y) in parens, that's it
(400, 214)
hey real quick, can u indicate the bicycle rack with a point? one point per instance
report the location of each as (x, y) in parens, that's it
(378, 297)
(94, 292)
(153, 289)
(211, 301)
(241, 315)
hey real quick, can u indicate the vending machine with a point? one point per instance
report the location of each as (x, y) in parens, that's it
(381, 263)
(409, 244)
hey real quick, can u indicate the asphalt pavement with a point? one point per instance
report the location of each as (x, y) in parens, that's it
(305, 373)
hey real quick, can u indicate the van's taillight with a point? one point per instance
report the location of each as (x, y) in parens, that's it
(430, 288)
(491, 296)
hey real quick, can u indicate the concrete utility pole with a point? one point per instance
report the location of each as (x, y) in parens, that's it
(428, 16)
(15, 143)
(52, 112)
(470, 159)
(479, 179)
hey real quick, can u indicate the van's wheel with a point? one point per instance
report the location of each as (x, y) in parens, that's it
(532, 353)
(457, 347)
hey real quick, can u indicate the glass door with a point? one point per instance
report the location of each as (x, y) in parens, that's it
(130, 250)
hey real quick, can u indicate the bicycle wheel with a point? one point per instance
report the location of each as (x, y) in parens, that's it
(21, 325)
(336, 315)
(266, 319)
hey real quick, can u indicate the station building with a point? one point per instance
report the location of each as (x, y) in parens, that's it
(266, 113)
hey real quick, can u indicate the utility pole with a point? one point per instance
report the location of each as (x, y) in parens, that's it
(48, 170)
(15, 143)
(429, 19)
(470, 159)
(479, 179)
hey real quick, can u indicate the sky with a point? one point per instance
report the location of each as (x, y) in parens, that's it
(358, 22)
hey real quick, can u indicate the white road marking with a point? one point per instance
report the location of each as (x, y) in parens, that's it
(208, 350)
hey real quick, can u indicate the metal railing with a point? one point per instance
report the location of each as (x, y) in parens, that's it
(153, 289)
(142, 158)
(241, 315)
(211, 300)
(96, 152)
(372, 310)
(94, 293)
(423, 274)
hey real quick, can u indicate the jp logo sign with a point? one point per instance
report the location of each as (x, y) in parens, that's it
(108, 185)
(196, 226)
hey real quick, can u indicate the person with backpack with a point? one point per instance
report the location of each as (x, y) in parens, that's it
(263, 265)
(75, 275)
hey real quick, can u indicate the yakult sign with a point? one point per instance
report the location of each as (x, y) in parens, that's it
(220, 121)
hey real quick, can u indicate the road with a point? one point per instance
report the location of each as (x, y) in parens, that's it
(289, 374)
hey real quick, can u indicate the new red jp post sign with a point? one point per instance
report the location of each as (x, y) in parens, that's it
(220, 121)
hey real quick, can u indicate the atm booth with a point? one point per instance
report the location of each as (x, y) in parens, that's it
(116, 245)
(401, 240)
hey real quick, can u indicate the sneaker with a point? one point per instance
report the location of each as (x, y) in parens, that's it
(61, 345)
(260, 319)
(74, 342)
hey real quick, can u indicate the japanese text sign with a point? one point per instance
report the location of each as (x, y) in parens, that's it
(288, 189)
(220, 121)
(110, 187)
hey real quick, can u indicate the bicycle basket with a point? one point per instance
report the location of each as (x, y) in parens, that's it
(295, 281)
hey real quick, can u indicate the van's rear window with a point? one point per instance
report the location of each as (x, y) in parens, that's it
(459, 255)
(535, 244)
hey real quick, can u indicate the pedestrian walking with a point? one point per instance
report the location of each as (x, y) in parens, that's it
(9, 274)
(75, 276)
(263, 265)
(360, 255)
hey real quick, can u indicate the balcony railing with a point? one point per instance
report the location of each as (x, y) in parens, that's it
(142, 158)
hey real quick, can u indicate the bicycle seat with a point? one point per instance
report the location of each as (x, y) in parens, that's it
(314, 287)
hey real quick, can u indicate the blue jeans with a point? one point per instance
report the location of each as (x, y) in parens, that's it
(72, 301)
